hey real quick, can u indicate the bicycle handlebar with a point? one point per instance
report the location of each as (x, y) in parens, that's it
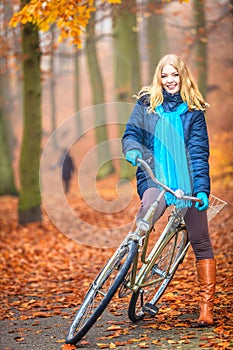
(178, 193)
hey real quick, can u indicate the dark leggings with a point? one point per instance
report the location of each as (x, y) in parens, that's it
(195, 220)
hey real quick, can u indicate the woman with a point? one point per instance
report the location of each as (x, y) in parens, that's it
(167, 128)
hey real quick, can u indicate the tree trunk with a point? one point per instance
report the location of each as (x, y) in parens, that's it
(29, 209)
(156, 36)
(201, 46)
(77, 87)
(103, 152)
(7, 184)
(53, 91)
(126, 67)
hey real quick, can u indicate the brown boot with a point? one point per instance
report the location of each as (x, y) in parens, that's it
(206, 270)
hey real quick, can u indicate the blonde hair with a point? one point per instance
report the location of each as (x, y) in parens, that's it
(188, 88)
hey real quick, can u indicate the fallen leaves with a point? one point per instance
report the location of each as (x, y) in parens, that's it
(68, 347)
(18, 338)
(114, 328)
(43, 273)
(40, 268)
(225, 330)
(103, 345)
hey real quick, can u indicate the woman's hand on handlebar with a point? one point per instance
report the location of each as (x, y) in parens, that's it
(132, 155)
(204, 204)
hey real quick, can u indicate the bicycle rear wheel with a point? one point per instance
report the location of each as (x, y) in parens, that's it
(156, 281)
(101, 291)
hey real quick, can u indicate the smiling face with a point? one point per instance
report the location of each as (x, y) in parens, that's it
(170, 79)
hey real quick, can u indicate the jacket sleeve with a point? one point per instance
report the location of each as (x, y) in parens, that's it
(133, 135)
(198, 148)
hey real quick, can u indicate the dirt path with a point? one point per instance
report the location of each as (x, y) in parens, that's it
(110, 332)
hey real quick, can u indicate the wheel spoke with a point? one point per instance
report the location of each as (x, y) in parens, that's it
(157, 280)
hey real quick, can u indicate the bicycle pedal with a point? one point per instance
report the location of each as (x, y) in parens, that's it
(150, 309)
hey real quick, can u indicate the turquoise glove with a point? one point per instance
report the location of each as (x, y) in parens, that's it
(204, 201)
(132, 156)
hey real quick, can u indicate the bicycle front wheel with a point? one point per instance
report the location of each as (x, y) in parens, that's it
(157, 279)
(101, 292)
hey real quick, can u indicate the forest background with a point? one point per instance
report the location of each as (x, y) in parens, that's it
(44, 82)
(49, 90)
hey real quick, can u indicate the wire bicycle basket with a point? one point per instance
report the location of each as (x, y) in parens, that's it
(215, 206)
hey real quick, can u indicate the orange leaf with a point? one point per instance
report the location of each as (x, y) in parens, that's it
(102, 345)
(114, 327)
(60, 341)
(219, 329)
(164, 327)
(68, 347)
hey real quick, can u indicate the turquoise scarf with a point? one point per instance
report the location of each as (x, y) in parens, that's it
(171, 166)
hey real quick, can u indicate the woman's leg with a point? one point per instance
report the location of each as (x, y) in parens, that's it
(197, 226)
(149, 196)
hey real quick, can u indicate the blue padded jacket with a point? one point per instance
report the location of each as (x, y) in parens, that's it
(139, 134)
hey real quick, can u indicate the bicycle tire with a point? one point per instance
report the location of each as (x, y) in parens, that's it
(144, 300)
(119, 265)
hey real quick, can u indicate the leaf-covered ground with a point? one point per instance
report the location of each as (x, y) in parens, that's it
(45, 274)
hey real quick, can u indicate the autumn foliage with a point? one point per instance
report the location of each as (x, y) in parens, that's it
(71, 16)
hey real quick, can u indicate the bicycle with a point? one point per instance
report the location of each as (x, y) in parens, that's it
(144, 274)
